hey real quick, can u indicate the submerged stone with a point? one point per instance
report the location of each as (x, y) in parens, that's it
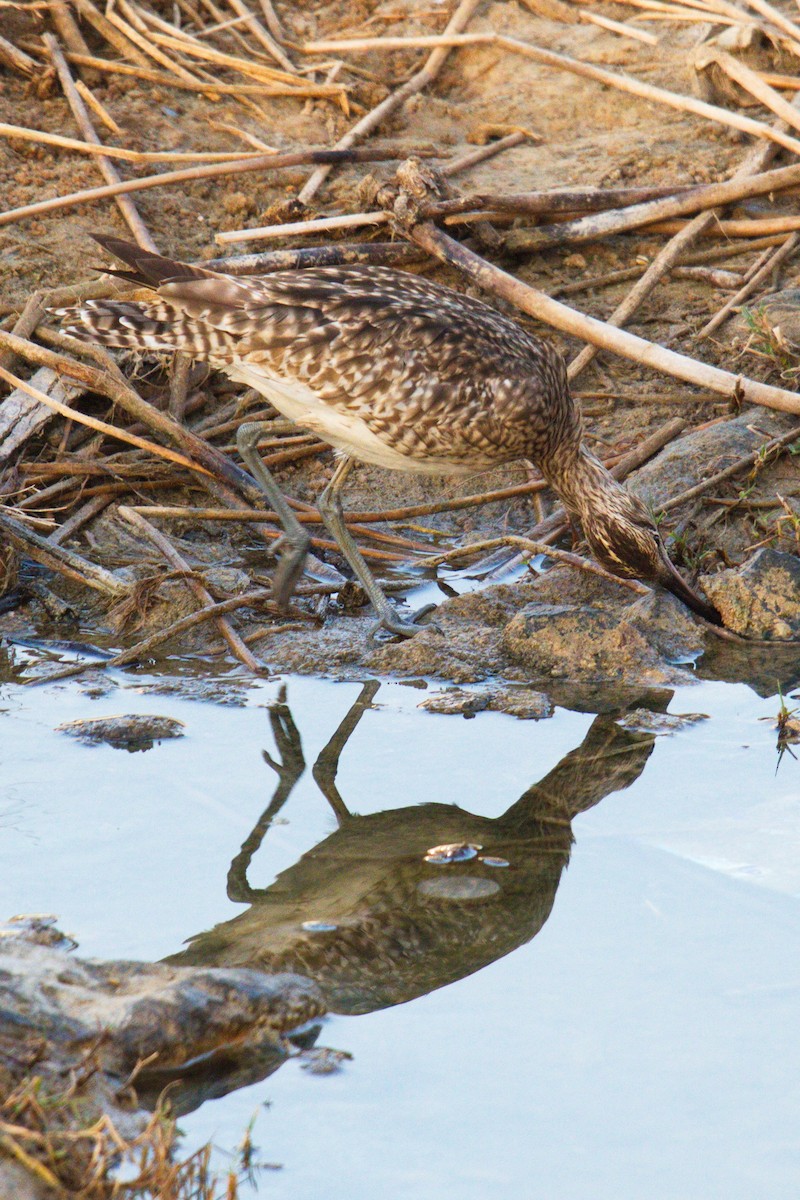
(137, 731)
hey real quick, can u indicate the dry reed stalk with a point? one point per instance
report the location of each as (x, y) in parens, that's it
(241, 165)
(176, 560)
(109, 173)
(708, 196)
(741, 464)
(726, 227)
(146, 72)
(248, 67)
(549, 58)
(56, 558)
(417, 83)
(759, 157)
(777, 18)
(87, 95)
(137, 32)
(67, 27)
(339, 254)
(588, 329)
(261, 35)
(757, 86)
(102, 426)
(528, 549)
(638, 35)
(109, 33)
(16, 60)
(298, 228)
(22, 133)
(588, 199)
(474, 157)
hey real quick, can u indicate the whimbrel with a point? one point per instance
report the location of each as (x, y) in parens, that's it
(391, 369)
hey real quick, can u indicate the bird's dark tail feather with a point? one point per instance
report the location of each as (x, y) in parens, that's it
(148, 269)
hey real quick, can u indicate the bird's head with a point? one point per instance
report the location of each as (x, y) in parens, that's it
(624, 539)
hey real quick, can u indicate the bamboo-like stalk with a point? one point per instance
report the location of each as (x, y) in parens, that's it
(712, 195)
(121, 435)
(109, 173)
(134, 156)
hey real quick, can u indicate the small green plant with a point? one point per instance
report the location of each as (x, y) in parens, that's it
(766, 341)
(788, 727)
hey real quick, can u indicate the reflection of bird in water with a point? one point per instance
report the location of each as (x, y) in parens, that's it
(382, 925)
(391, 369)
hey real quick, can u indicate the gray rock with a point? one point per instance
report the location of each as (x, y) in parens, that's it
(760, 599)
(175, 1013)
(693, 458)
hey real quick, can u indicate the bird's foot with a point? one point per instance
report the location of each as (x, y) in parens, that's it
(391, 622)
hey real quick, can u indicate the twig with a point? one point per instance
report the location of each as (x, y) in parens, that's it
(261, 35)
(272, 88)
(67, 27)
(422, 79)
(263, 162)
(93, 423)
(109, 173)
(296, 228)
(337, 255)
(639, 35)
(176, 560)
(96, 149)
(474, 157)
(11, 56)
(56, 558)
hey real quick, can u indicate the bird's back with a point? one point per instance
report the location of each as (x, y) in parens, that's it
(441, 379)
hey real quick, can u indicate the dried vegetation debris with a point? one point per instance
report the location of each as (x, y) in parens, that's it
(141, 92)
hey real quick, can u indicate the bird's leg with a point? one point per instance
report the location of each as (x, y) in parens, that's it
(330, 509)
(294, 544)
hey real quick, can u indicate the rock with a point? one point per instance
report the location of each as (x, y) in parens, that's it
(584, 642)
(775, 318)
(760, 599)
(137, 731)
(176, 1014)
(642, 720)
(521, 702)
(691, 459)
(456, 701)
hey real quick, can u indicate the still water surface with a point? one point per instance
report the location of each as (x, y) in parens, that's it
(623, 1028)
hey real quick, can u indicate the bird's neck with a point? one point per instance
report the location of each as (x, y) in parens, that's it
(580, 479)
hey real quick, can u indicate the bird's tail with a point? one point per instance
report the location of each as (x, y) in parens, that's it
(137, 325)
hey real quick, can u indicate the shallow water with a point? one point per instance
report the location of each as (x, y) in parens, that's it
(622, 1028)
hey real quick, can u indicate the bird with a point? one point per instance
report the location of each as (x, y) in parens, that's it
(391, 369)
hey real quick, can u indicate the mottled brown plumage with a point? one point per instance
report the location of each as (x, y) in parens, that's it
(393, 370)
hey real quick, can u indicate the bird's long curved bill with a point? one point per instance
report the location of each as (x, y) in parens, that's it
(674, 582)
